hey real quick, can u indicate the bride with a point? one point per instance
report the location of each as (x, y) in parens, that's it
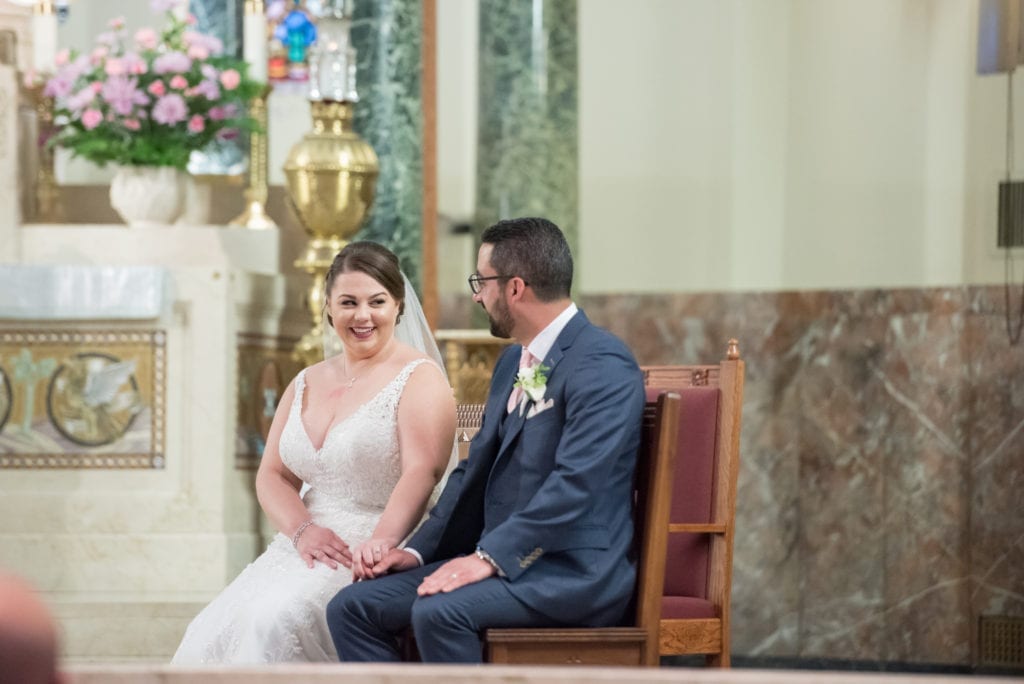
(371, 432)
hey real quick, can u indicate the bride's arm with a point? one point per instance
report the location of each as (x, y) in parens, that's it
(426, 435)
(277, 488)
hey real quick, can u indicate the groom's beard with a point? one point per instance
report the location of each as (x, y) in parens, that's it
(501, 320)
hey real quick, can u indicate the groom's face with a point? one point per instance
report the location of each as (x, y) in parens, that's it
(492, 295)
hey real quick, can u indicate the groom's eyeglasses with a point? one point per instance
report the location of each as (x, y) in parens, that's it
(476, 281)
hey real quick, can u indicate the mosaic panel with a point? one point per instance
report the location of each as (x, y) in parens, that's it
(83, 399)
(265, 367)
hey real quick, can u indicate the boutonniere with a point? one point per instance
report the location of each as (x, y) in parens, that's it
(533, 381)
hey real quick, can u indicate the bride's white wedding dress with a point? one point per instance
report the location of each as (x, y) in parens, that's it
(274, 610)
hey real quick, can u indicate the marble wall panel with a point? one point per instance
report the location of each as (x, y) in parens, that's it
(388, 38)
(996, 446)
(527, 141)
(882, 460)
(925, 384)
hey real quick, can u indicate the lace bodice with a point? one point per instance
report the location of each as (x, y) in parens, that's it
(359, 462)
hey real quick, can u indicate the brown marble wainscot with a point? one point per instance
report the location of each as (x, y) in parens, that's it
(882, 457)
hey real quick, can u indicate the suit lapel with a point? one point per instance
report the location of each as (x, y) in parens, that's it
(515, 421)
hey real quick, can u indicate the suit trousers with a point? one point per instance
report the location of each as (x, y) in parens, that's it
(367, 618)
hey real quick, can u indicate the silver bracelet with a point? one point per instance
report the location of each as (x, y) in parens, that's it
(298, 532)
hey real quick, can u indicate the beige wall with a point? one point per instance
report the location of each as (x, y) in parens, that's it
(752, 145)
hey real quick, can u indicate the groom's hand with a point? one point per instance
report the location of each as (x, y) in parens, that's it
(455, 574)
(395, 560)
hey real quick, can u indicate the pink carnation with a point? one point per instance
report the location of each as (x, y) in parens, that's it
(146, 38)
(157, 88)
(114, 67)
(198, 52)
(62, 57)
(91, 118)
(117, 23)
(196, 124)
(230, 79)
(132, 124)
(179, 82)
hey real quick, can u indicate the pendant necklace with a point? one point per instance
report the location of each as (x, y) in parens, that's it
(352, 380)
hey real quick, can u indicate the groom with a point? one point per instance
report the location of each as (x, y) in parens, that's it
(533, 529)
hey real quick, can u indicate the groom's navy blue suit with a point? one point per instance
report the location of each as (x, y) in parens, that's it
(548, 496)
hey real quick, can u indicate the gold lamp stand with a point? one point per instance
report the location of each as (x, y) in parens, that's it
(254, 216)
(331, 176)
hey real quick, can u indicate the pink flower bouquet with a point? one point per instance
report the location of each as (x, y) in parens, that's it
(152, 98)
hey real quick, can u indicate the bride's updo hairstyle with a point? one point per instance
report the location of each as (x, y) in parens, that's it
(373, 259)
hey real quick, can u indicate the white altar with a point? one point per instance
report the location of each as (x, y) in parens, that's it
(144, 510)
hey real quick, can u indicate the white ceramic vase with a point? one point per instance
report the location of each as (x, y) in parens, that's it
(148, 195)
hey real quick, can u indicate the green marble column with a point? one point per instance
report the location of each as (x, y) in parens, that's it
(387, 36)
(527, 149)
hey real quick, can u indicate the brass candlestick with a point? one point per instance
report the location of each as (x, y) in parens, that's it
(254, 216)
(332, 178)
(47, 207)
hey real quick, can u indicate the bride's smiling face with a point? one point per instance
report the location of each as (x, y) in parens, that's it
(363, 312)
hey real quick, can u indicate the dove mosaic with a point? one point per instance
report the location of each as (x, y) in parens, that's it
(87, 399)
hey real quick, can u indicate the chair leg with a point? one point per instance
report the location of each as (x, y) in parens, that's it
(717, 660)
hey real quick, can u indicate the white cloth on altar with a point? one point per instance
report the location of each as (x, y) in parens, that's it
(46, 292)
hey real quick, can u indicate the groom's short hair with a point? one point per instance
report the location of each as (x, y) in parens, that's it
(535, 250)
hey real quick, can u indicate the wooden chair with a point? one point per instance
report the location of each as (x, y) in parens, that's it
(698, 565)
(616, 645)
(686, 566)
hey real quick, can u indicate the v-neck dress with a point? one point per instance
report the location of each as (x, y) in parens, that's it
(274, 610)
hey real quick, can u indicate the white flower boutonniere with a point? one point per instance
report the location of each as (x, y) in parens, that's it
(533, 380)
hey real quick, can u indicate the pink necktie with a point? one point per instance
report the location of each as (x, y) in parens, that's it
(525, 361)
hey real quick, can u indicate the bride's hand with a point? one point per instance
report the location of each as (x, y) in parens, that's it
(321, 544)
(367, 555)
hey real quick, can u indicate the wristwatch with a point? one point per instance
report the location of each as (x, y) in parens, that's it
(484, 556)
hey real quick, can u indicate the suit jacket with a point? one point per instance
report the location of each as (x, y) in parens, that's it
(549, 496)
